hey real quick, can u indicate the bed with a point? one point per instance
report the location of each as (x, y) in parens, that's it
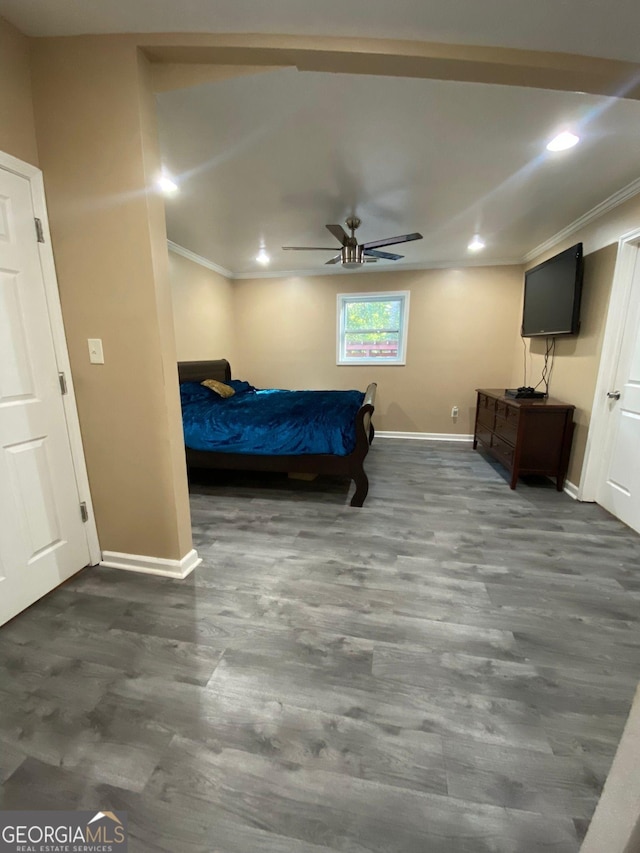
(348, 461)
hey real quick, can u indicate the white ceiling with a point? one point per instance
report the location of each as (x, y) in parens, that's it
(591, 27)
(275, 156)
(272, 157)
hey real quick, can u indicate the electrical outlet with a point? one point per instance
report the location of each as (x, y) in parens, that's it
(454, 412)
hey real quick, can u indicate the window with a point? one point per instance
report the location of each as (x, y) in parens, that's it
(372, 327)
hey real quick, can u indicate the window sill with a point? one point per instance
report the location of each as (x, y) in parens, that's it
(372, 362)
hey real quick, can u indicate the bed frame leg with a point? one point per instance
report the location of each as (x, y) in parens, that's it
(362, 488)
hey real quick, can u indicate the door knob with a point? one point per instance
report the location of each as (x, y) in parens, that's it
(613, 395)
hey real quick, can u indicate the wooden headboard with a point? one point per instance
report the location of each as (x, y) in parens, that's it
(197, 371)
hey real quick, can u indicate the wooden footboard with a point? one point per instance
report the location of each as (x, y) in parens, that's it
(351, 466)
(364, 437)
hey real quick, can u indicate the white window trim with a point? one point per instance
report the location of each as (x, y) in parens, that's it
(365, 297)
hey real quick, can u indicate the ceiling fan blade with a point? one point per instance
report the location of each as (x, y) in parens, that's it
(392, 241)
(339, 233)
(335, 260)
(386, 255)
(309, 248)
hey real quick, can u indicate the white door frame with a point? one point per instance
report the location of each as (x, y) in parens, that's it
(36, 182)
(628, 256)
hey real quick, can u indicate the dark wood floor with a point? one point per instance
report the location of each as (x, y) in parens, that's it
(447, 670)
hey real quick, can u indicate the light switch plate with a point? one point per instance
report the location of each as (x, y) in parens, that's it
(96, 355)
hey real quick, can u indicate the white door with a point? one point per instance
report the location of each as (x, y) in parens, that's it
(619, 489)
(42, 535)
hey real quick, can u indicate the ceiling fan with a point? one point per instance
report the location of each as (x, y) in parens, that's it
(352, 253)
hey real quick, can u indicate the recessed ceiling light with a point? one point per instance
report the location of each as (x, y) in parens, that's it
(167, 185)
(476, 244)
(262, 257)
(562, 141)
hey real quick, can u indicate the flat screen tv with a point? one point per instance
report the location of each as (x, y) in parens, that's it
(552, 292)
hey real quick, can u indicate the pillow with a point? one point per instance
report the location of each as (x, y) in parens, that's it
(219, 388)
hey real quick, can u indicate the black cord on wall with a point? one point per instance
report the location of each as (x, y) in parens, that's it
(547, 368)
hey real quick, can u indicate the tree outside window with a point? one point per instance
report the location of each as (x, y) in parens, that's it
(372, 327)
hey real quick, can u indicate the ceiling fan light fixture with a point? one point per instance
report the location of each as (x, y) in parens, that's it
(563, 141)
(477, 244)
(352, 256)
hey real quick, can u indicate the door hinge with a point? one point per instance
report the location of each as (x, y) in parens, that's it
(84, 512)
(63, 382)
(39, 230)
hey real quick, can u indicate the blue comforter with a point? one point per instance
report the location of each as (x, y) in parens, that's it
(269, 423)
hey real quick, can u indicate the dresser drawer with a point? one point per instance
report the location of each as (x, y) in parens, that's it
(486, 410)
(503, 450)
(483, 435)
(502, 409)
(506, 423)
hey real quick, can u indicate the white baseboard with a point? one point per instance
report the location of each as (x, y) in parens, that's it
(152, 565)
(425, 436)
(571, 489)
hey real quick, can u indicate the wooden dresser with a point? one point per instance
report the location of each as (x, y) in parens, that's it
(526, 436)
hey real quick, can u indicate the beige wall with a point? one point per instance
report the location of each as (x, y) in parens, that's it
(202, 310)
(94, 120)
(174, 479)
(17, 129)
(460, 337)
(577, 359)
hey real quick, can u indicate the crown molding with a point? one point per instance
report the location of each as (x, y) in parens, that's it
(336, 270)
(177, 249)
(613, 201)
(369, 268)
(599, 210)
(610, 203)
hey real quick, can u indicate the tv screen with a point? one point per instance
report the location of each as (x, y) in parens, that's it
(552, 292)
